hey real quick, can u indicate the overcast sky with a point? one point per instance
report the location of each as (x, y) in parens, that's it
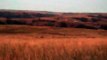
(56, 5)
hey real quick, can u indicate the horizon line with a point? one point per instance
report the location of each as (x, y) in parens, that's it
(51, 11)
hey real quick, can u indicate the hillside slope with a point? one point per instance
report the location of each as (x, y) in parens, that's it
(55, 19)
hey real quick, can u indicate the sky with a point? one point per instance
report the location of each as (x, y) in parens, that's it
(56, 5)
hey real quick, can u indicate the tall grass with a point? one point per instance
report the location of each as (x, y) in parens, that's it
(21, 43)
(54, 50)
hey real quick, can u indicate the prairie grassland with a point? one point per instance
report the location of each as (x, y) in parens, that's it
(46, 43)
(54, 49)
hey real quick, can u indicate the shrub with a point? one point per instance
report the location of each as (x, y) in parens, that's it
(63, 24)
(50, 24)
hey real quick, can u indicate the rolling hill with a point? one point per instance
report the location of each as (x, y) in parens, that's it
(54, 19)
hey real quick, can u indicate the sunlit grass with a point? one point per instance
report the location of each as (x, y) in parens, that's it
(54, 50)
(47, 43)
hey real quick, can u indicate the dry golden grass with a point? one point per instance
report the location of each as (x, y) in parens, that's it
(46, 43)
(54, 49)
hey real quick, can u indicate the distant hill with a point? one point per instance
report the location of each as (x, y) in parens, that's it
(55, 19)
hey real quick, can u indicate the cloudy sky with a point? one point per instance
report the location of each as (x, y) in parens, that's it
(56, 5)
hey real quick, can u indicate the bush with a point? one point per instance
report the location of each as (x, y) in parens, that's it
(50, 24)
(63, 24)
(9, 21)
(104, 27)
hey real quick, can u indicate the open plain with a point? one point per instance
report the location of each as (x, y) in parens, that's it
(23, 42)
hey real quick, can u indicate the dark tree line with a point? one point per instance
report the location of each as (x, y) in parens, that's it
(23, 15)
(9, 21)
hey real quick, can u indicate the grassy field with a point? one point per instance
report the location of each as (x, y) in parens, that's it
(19, 42)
